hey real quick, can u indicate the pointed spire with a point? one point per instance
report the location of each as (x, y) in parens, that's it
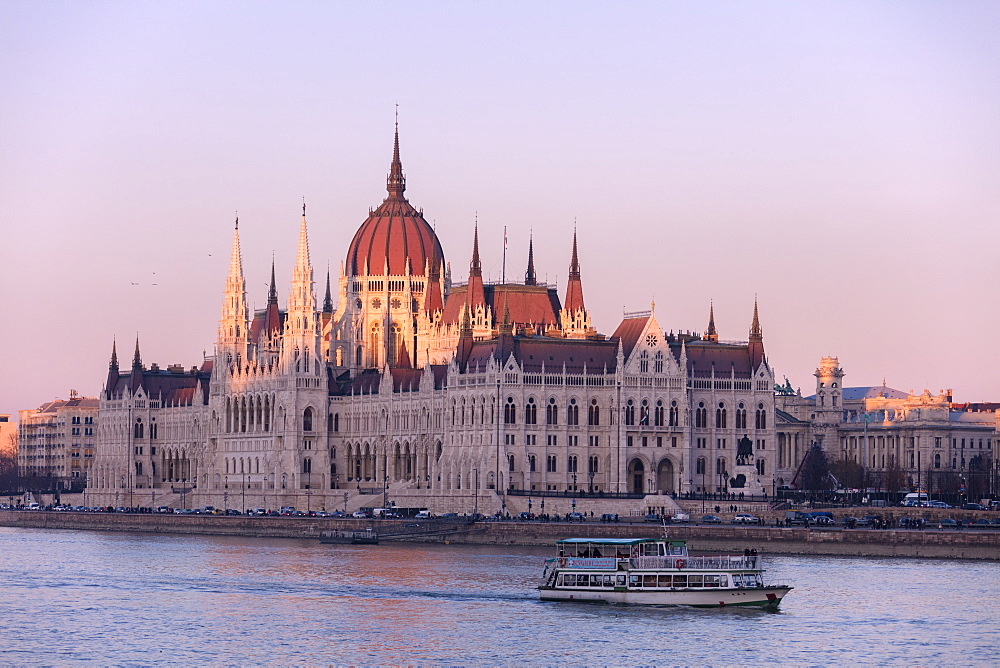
(476, 266)
(476, 294)
(137, 358)
(574, 287)
(272, 293)
(434, 301)
(574, 263)
(114, 356)
(529, 276)
(396, 182)
(328, 300)
(755, 332)
(301, 298)
(756, 345)
(712, 334)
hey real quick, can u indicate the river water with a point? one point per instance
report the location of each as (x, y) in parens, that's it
(76, 597)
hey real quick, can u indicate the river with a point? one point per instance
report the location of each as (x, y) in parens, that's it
(78, 597)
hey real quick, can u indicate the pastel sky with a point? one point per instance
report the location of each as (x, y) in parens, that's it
(839, 160)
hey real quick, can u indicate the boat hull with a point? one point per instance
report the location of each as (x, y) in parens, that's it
(763, 597)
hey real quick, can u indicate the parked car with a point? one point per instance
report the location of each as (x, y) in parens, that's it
(360, 515)
(575, 517)
(973, 506)
(948, 523)
(652, 517)
(745, 518)
(338, 513)
(681, 518)
(982, 523)
(822, 520)
(710, 519)
(609, 518)
(938, 504)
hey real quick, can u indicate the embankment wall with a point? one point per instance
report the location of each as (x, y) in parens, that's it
(929, 543)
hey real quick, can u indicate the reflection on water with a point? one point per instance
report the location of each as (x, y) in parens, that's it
(104, 598)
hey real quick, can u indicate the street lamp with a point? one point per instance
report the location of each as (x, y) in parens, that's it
(592, 472)
(475, 506)
(246, 483)
(263, 491)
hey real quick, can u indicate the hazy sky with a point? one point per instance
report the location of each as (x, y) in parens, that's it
(839, 160)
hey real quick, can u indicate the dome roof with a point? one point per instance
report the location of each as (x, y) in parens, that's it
(393, 233)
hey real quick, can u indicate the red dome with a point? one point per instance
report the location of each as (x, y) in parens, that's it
(393, 233)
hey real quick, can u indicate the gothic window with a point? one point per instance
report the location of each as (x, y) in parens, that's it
(307, 419)
(937, 461)
(720, 466)
(509, 411)
(674, 414)
(701, 415)
(395, 339)
(152, 429)
(594, 413)
(741, 417)
(720, 416)
(510, 463)
(137, 430)
(531, 412)
(644, 413)
(643, 362)
(551, 465)
(552, 412)
(760, 421)
(357, 356)
(760, 466)
(658, 413)
(375, 342)
(531, 463)
(658, 362)
(592, 464)
(571, 464)
(572, 413)
(700, 466)
(629, 412)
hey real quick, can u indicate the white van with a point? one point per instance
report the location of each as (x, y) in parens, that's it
(423, 515)
(913, 498)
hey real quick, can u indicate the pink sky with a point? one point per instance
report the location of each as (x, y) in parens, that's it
(838, 160)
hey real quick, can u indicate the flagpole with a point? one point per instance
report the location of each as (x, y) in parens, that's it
(503, 271)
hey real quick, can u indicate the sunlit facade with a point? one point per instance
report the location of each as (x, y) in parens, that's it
(425, 391)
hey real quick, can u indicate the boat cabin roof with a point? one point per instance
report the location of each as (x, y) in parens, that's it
(617, 541)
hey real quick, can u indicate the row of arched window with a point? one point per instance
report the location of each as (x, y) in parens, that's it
(661, 415)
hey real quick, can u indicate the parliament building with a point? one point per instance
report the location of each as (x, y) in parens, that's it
(401, 384)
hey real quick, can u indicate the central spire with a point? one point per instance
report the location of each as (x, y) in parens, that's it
(396, 182)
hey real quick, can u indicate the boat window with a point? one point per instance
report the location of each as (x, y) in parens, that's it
(569, 579)
(680, 581)
(635, 581)
(619, 580)
(595, 580)
(648, 580)
(713, 580)
(559, 581)
(663, 581)
(652, 549)
(609, 580)
(695, 581)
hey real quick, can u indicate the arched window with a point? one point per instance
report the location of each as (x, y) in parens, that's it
(137, 430)
(658, 413)
(307, 419)
(531, 412)
(701, 415)
(572, 413)
(552, 412)
(700, 466)
(629, 412)
(509, 411)
(760, 466)
(375, 342)
(720, 416)
(658, 362)
(674, 414)
(510, 463)
(644, 413)
(594, 413)
(531, 463)
(760, 421)
(644, 362)
(741, 417)
(937, 461)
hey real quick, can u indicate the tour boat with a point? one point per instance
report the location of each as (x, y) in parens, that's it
(366, 537)
(654, 571)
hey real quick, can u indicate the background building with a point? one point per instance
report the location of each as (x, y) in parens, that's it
(56, 443)
(895, 440)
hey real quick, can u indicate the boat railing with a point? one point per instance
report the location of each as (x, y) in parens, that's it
(714, 562)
